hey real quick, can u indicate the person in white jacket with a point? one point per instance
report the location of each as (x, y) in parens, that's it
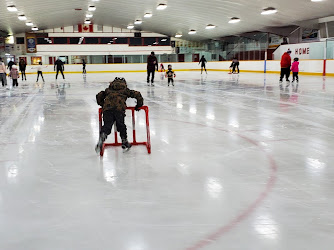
(40, 71)
(3, 75)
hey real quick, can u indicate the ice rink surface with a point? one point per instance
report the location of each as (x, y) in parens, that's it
(236, 164)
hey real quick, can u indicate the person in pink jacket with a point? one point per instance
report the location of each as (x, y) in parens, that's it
(14, 74)
(295, 69)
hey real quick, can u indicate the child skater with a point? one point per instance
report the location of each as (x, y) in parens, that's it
(14, 74)
(170, 74)
(295, 69)
(40, 71)
(113, 102)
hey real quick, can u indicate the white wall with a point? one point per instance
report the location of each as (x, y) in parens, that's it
(99, 49)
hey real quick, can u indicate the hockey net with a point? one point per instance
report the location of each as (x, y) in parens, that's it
(147, 143)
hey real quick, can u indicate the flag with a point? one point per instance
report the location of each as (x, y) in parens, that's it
(85, 28)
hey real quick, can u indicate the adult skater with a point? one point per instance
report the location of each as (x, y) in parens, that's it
(234, 65)
(113, 102)
(285, 67)
(3, 75)
(152, 65)
(22, 67)
(83, 66)
(203, 61)
(60, 68)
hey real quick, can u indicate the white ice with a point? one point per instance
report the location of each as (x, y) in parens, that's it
(236, 164)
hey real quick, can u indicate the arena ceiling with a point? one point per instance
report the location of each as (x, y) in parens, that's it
(179, 17)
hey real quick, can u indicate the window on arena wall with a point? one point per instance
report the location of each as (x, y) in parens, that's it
(91, 40)
(107, 40)
(121, 40)
(150, 41)
(74, 40)
(164, 41)
(41, 40)
(135, 41)
(19, 40)
(60, 40)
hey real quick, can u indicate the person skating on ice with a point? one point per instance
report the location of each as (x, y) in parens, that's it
(22, 67)
(295, 70)
(40, 71)
(84, 67)
(10, 65)
(152, 65)
(285, 68)
(59, 65)
(113, 103)
(235, 65)
(14, 74)
(203, 62)
(170, 74)
(3, 73)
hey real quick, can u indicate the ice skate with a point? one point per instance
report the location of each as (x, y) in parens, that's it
(99, 144)
(126, 145)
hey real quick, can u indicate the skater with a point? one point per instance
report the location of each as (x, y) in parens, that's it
(113, 102)
(162, 68)
(84, 67)
(295, 70)
(22, 67)
(60, 68)
(3, 75)
(10, 65)
(152, 65)
(234, 65)
(285, 68)
(14, 74)
(170, 74)
(203, 61)
(40, 71)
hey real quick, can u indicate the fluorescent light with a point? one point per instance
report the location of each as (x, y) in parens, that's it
(29, 24)
(34, 28)
(91, 8)
(316, 0)
(22, 17)
(130, 26)
(7, 54)
(148, 15)
(192, 32)
(268, 11)
(138, 22)
(210, 26)
(95, 0)
(87, 21)
(89, 15)
(234, 20)
(178, 35)
(163, 40)
(11, 8)
(161, 6)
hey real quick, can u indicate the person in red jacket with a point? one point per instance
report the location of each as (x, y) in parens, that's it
(285, 67)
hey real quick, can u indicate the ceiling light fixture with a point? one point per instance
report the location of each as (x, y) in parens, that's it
(178, 35)
(148, 15)
(210, 26)
(11, 8)
(316, 0)
(269, 11)
(91, 8)
(192, 32)
(89, 15)
(161, 6)
(130, 26)
(87, 21)
(34, 28)
(234, 20)
(29, 24)
(138, 22)
(22, 17)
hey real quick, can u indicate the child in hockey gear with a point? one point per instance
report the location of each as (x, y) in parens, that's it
(170, 74)
(113, 102)
(295, 69)
(14, 74)
(203, 61)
